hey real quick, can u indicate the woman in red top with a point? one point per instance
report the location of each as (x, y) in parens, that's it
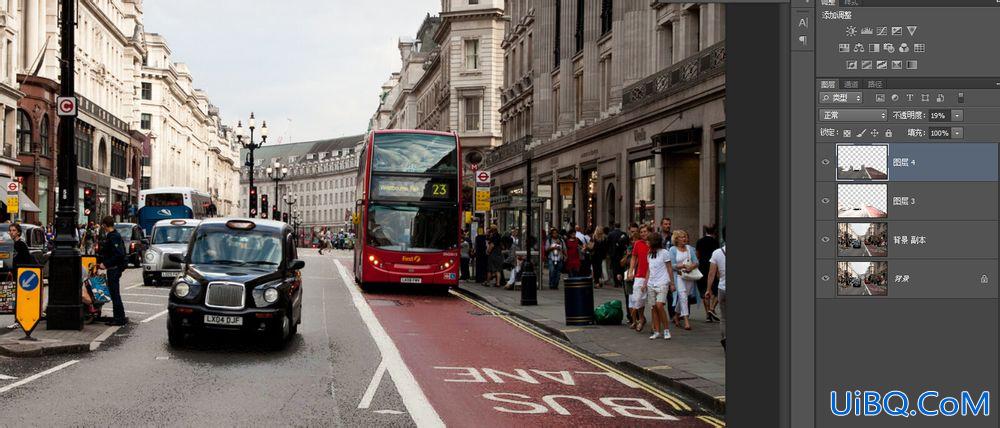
(573, 248)
(639, 270)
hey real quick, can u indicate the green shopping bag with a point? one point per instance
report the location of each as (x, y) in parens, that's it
(609, 313)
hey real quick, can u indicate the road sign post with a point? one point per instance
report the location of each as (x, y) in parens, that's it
(29, 299)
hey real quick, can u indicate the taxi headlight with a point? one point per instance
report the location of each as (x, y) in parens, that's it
(150, 256)
(181, 289)
(271, 295)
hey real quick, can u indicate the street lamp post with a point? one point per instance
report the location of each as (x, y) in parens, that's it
(276, 173)
(64, 311)
(529, 281)
(251, 145)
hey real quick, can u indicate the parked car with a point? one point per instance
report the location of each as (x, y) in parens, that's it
(167, 237)
(134, 239)
(240, 276)
(34, 236)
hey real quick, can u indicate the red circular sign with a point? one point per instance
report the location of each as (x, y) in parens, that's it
(66, 106)
(12, 187)
(484, 176)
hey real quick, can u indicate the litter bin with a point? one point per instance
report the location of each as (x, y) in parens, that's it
(579, 292)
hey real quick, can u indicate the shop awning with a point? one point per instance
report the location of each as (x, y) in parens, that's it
(25, 204)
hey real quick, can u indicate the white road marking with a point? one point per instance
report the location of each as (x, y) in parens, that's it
(146, 295)
(5, 377)
(37, 375)
(413, 397)
(388, 412)
(142, 303)
(96, 343)
(133, 286)
(136, 312)
(158, 314)
(366, 400)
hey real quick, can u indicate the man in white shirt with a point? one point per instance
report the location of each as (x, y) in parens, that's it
(718, 269)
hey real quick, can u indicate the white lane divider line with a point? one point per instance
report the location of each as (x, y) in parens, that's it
(413, 397)
(142, 303)
(5, 377)
(146, 295)
(37, 375)
(366, 400)
(96, 343)
(157, 315)
(133, 286)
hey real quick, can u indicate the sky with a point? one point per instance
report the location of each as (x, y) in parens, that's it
(312, 71)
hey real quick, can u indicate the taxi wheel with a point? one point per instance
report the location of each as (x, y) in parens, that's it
(175, 337)
(281, 336)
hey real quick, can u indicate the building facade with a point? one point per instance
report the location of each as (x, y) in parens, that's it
(109, 50)
(621, 104)
(182, 124)
(320, 181)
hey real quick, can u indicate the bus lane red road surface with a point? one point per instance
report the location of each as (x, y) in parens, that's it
(477, 368)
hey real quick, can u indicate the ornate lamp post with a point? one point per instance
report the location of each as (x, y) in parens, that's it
(249, 144)
(276, 173)
(529, 280)
(64, 310)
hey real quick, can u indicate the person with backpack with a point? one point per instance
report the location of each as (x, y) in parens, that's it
(112, 258)
(704, 248)
(617, 243)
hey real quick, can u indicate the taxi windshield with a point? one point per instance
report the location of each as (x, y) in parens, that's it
(237, 247)
(172, 234)
(125, 231)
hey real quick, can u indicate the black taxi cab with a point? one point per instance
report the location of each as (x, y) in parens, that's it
(238, 275)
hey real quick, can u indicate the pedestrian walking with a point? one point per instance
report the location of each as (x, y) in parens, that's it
(494, 250)
(598, 248)
(112, 259)
(639, 272)
(479, 253)
(22, 255)
(666, 233)
(555, 255)
(658, 285)
(704, 248)
(684, 261)
(618, 242)
(574, 250)
(465, 252)
(717, 270)
(512, 260)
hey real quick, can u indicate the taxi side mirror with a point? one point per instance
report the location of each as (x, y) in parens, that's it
(296, 264)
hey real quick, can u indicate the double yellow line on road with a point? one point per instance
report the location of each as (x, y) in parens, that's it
(673, 401)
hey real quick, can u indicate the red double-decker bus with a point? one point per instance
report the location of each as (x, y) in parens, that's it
(408, 215)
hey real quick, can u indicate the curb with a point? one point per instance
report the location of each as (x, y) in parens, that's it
(717, 404)
(28, 350)
(36, 349)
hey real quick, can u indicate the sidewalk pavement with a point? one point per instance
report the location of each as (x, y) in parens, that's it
(51, 342)
(692, 361)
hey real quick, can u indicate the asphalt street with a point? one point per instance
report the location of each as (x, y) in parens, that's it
(395, 358)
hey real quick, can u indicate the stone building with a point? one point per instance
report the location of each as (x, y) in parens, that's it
(622, 106)
(182, 123)
(109, 52)
(321, 180)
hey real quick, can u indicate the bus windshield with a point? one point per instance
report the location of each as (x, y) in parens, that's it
(412, 228)
(415, 153)
(164, 200)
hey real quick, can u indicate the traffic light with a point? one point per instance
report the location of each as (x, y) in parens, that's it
(274, 212)
(89, 204)
(284, 217)
(253, 201)
(263, 206)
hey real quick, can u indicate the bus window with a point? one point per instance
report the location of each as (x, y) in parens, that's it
(164, 200)
(419, 153)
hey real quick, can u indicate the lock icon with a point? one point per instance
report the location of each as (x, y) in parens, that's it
(888, 133)
(985, 279)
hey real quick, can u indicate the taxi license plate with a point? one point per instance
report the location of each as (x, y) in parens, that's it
(4, 255)
(410, 280)
(170, 274)
(223, 320)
